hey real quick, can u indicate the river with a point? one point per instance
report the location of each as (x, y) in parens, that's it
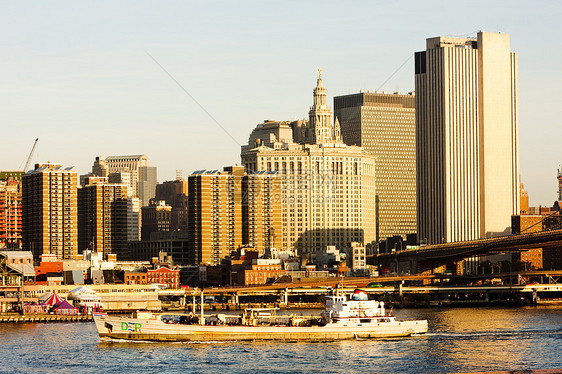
(460, 340)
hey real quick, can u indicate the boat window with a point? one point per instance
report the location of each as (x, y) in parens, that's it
(364, 320)
(170, 318)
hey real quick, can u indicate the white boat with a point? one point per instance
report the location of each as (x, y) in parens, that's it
(342, 318)
(85, 297)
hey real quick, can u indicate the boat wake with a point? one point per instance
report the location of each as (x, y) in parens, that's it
(495, 334)
(127, 341)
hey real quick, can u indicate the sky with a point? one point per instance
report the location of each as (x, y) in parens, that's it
(185, 82)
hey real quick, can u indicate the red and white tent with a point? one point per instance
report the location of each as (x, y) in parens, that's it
(52, 300)
(65, 308)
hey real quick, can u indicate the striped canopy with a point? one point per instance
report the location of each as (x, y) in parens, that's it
(65, 308)
(52, 300)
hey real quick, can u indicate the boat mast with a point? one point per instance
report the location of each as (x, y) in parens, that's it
(202, 320)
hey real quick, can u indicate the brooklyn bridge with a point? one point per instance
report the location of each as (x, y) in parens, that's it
(426, 258)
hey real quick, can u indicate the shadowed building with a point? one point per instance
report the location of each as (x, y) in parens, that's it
(174, 193)
(155, 218)
(102, 217)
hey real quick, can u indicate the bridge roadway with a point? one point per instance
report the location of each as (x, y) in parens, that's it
(459, 250)
(351, 283)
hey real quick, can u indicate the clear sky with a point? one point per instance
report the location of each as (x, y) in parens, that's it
(78, 76)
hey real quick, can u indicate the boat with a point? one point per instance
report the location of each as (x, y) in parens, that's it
(343, 318)
(85, 298)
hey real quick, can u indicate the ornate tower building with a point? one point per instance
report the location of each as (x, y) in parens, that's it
(320, 117)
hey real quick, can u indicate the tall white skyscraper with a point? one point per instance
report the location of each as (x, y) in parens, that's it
(467, 138)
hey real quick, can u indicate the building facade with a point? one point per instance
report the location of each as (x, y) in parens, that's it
(102, 217)
(133, 219)
(385, 126)
(229, 209)
(156, 217)
(164, 275)
(524, 224)
(10, 214)
(174, 193)
(327, 187)
(49, 211)
(142, 176)
(215, 213)
(147, 184)
(467, 138)
(173, 242)
(261, 211)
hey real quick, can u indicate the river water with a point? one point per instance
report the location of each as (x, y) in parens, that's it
(460, 340)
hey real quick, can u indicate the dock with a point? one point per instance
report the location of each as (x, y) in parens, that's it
(43, 318)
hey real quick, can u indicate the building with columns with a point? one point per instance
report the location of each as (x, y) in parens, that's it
(327, 187)
(467, 138)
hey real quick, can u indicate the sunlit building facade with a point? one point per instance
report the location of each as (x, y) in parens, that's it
(467, 138)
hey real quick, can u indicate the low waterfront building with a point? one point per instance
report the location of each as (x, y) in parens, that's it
(16, 266)
(176, 243)
(263, 271)
(357, 258)
(135, 277)
(164, 275)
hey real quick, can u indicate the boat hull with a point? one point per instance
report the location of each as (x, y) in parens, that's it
(155, 330)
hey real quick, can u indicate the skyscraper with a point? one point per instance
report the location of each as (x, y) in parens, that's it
(467, 137)
(327, 187)
(156, 217)
(385, 126)
(229, 209)
(215, 214)
(49, 210)
(147, 184)
(142, 176)
(261, 211)
(102, 217)
(175, 194)
(10, 214)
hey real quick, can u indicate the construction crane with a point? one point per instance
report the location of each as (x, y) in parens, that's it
(30, 154)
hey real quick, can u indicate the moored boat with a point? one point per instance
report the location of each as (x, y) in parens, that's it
(342, 318)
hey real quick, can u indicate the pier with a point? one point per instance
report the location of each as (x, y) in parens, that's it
(408, 290)
(45, 318)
